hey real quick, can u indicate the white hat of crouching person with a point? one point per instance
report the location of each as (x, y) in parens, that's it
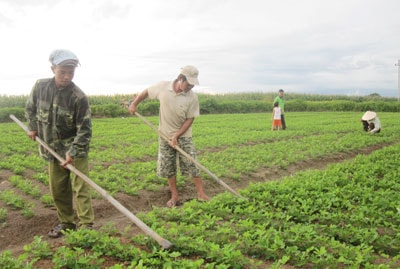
(369, 115)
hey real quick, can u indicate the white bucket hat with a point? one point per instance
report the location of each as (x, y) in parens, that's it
(369, 115)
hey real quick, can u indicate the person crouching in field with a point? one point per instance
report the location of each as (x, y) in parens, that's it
(276, 117)
(371, 122)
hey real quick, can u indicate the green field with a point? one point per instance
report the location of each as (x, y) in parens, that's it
(345, 214)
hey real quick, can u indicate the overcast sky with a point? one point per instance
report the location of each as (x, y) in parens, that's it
(302, 46)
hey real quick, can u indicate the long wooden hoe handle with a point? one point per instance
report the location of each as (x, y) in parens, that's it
(190, 157)
(163, 242)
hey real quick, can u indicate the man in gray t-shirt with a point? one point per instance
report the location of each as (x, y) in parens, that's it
(178, 108)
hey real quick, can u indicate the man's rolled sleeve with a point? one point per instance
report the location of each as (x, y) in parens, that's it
(31, 110)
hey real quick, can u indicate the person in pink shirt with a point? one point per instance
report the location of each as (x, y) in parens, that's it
(276, 117)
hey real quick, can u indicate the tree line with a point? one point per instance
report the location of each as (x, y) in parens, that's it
(252, 102)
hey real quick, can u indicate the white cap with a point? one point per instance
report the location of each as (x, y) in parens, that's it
(63, 57)
(191, 73)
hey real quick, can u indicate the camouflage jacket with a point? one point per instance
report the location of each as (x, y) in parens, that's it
(61, 117)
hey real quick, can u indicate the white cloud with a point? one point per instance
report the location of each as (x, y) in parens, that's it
(257, 45)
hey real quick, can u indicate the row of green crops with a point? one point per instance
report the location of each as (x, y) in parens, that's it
(230, 145)
(10, 198)
(124, 150)
(346, 216)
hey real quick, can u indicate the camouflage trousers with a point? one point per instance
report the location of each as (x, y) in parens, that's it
(169, 159)
(63, 184)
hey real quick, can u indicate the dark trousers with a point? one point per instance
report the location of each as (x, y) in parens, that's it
(365, 125)
(283, 122)
(368, 127)
(63, 185)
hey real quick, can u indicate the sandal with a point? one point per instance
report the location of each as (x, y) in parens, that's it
(57, 231)
(87, 226)
(171, 203)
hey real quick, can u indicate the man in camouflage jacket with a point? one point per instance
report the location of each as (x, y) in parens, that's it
(58, 112)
